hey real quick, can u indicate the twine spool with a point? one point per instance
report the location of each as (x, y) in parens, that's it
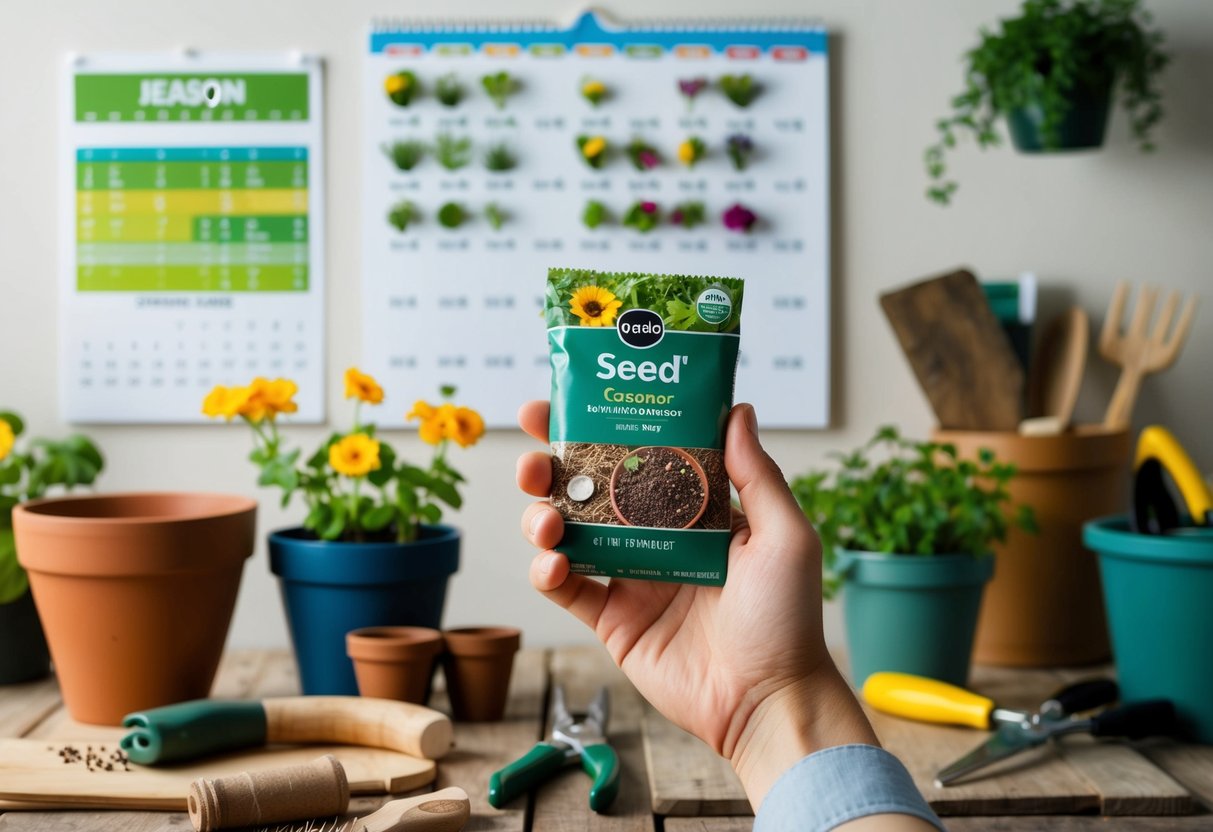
(316, 789)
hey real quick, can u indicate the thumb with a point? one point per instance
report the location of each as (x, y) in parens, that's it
(767, 501)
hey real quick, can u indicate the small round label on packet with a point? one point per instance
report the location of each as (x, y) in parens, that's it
(714, 305)
(580, 488)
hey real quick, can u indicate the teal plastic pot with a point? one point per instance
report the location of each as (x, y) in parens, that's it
(332, 587)
(912, 613)
(1082, 127)
(1159, 594)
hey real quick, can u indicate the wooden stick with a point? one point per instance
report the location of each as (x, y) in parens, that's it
(358, 720)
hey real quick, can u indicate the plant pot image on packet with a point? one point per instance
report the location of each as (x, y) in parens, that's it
(642, 383)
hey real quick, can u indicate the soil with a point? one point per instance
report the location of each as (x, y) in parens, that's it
(571, 459)
(658, 489)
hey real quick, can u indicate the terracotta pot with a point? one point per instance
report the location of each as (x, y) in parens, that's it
(691, 463)
(477, 665)
(1044, 607)
(394, 662)
(136, 592)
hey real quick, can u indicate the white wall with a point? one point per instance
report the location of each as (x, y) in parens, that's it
(1082, 222)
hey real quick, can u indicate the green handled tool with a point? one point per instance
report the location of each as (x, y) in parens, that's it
(570, 741)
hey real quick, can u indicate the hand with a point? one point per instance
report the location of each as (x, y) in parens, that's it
(744, 666)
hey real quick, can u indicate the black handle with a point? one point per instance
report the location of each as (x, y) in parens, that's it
(1085, 696)
(1152, 718)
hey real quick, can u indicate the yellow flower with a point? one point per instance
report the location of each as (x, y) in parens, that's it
(431, 428)
(687, 153)
(395, 83)
(7, 439)
(227, 402)
(464, 425)
(593, 147)
(595, 306)
(355, 455)
(279, 396)
(360, 386)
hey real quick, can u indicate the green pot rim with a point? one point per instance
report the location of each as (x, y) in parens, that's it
(1112, 537)
(913, 571)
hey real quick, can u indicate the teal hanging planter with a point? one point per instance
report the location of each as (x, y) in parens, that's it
(1159, 594)
(912, 613)
(1083, 127)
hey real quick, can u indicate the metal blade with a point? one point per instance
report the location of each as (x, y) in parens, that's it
(1007, 741)
(599, 713)
(561, 718)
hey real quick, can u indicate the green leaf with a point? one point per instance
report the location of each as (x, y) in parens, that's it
(632, 463)
(378, 518)
(431, 513)
(335, 525)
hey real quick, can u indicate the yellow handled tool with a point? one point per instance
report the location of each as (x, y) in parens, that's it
(929, 700)
(1154, 509)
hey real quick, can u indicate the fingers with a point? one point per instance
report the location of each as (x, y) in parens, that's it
(534, 473)
(770, 508)
(583, 597)
(533, 418)
(542, 525)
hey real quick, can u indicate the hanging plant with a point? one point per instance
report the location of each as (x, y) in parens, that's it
(1052, 72)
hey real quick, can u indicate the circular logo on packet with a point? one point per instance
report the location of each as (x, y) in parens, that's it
(640, 328)
(714, 305)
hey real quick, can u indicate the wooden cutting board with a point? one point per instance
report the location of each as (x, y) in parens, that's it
(50, 774)
(959, 352)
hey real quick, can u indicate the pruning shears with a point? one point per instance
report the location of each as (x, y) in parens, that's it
(570, 741)
(928, 700)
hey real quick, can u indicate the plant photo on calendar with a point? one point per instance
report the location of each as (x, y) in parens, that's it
(354, 485)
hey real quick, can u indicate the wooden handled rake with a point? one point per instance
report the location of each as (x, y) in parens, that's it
(1137, 351)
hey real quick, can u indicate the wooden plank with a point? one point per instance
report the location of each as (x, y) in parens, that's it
(278, 676)
(1127, 782)
(717, 824)
(563, 802)
(1191, 765)
(482, 748)
(23, 706)
(687, 778)
(95, 822)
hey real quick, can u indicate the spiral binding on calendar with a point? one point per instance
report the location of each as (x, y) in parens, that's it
(387, 25)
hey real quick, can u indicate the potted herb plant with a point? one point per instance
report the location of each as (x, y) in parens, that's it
(372, 551)
(1052, 72)
(28, 472)
(906, 528)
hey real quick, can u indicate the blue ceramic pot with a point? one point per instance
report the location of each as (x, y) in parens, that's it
(912, 613)
(332, 587)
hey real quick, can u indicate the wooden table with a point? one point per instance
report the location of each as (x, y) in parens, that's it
(672, 782)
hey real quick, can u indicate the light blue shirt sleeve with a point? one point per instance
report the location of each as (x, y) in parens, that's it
(839, 784)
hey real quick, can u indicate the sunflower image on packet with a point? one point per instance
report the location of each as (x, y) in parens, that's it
(642, 382)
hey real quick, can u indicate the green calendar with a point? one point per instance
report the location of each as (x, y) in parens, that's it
(193, 246)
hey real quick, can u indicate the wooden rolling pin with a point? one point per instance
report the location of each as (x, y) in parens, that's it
(194, 729)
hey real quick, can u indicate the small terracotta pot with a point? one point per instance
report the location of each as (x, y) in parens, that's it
(136, 593)
(477, 664)
(1045, 607)
(394, 662)
(691, 461)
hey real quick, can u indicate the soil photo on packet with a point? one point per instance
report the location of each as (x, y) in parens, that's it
(642, 383)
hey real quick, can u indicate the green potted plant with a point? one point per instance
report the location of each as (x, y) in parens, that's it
(1052, 72)
(906, 529)
(372, 550)
(28, 471)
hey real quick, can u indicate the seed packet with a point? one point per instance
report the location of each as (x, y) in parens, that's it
(642, 383)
